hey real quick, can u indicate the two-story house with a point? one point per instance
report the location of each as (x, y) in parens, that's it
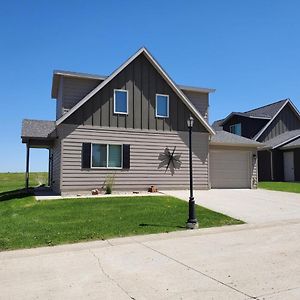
(120, 125)
(277, 126)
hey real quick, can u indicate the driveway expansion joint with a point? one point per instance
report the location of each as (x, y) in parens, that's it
(108, 276)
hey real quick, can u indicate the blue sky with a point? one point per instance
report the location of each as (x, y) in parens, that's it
(247, 50)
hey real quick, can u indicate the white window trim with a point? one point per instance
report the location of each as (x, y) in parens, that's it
(120, 112)
(107, 151)
(233, 126)
(168, 102)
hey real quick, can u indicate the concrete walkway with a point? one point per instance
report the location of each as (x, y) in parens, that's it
(235, 262)
(253, 206)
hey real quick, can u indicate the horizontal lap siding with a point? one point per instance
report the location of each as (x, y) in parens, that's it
(144, 150)
(56, 151)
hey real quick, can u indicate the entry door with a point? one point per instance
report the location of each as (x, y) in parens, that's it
(288, 160)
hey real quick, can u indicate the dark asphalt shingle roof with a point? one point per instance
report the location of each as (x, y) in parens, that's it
(293, 144)
(37, 128)
(266, 111)
(281, 139)
(224, 137)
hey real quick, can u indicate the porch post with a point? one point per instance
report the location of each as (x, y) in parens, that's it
(27, 166)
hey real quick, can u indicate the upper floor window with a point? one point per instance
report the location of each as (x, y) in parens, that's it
(121, 102)
(162, 106)
(236, 129)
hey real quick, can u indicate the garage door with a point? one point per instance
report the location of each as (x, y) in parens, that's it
(230, 169)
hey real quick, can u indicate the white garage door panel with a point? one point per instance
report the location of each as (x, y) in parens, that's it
(229, 169)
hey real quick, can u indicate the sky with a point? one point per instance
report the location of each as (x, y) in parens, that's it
(249, 51)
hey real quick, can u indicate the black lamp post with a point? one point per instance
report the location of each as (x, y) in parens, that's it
(192, 222)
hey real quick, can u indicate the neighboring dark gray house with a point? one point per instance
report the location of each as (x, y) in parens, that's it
(277, 126)
(120, 124)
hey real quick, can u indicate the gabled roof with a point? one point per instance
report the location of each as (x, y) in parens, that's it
(280, 107)
(264, 112)
(228, 139)
(282, 139)
(268, 112)
(155, 64)
(37, 128)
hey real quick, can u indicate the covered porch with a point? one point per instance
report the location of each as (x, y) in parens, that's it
(38, 134)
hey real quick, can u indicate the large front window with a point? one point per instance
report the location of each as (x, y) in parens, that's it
(236, 129)
(106, 156)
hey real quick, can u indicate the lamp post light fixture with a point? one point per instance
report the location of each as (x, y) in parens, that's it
(192, 222)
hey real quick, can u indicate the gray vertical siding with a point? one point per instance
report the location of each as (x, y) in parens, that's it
(74, 89)
(56, 151)
(285, 121)
(143, 82)
(200, 101)
(145, 149)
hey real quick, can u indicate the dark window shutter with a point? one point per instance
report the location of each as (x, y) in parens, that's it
(86, 155)
(126, 156)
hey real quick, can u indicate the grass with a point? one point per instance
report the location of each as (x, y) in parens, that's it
(26, 223)
(16, 181)
(293, 187)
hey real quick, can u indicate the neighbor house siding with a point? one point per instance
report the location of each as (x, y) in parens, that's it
(278, 171)
(56, 152)
(285, 121)
(250, 126)
(143, 82)
(297, 164)
(264, 165)
(145, 148)
(200, 101)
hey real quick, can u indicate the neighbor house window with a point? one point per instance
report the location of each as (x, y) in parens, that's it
(120, 102)
(162, 106)
(236, 129)
(106, 156)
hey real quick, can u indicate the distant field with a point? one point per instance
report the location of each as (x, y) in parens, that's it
(15, 181)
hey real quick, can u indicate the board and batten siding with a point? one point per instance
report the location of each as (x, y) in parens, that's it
(56, 165)
(145, 148)
(285, 121)
(143, 82)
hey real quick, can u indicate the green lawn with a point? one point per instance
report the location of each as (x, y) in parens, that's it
(293, 187)
(16, 181)
(26, 223)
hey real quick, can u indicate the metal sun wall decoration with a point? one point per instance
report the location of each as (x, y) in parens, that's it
(170, 160)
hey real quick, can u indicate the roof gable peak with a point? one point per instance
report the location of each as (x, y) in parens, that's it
(155, 64)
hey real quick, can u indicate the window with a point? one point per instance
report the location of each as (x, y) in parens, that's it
(162, 106)
(120, 102)
(236, 129)
(106, 156)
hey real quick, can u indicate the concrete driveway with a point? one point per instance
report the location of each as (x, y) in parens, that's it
(252, 206)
